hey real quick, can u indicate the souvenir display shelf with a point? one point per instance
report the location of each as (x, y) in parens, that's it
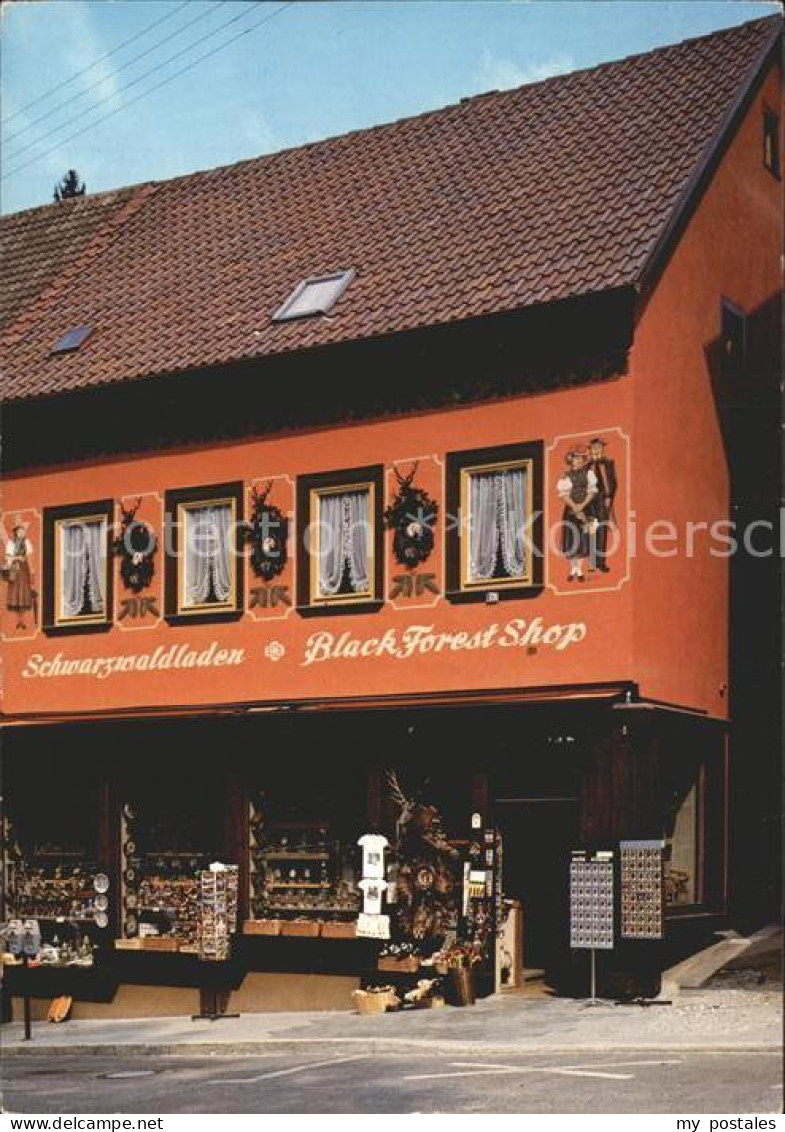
(445, 911)
(160, 884)
(53, 883)
(299, 877)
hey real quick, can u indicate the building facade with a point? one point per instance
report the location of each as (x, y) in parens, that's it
(445, 522)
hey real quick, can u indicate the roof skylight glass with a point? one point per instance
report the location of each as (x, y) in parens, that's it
(314, 296)
(72, 340)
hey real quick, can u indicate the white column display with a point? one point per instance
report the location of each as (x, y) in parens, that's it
(372, 922)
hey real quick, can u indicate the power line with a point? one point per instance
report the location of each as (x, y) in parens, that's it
(140, 78)
(152, 89)
(90, 66)
(134, 59)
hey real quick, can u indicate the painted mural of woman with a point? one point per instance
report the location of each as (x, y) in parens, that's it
(577, 487)
(20, 596)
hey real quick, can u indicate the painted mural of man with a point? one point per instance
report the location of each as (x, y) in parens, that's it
(601, 508)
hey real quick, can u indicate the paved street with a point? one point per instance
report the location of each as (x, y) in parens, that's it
(349, 1082)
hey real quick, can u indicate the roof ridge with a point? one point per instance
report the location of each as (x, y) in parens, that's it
(468, 100)
(73, 202)
(96, 246)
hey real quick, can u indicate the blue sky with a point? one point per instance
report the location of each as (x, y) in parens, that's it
(300, 72)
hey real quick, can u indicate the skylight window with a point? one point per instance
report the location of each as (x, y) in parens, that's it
(72, 340)
(314, 296)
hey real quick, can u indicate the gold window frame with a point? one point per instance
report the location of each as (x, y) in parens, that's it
(60, 618)
(230, 605)
(467, 584)
(315, 496)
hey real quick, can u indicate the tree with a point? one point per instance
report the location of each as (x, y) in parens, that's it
(70, 186)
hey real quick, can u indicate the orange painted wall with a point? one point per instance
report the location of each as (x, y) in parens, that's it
(731, 248)
(659, 621)
(603, 605)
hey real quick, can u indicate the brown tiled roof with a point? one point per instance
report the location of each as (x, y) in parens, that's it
(37, 245)
(506, 200)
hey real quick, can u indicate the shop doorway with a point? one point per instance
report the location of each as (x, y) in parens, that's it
(535, 780)
(538, 834)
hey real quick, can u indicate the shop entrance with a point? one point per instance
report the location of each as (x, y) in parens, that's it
(535, 783)
(538, 835)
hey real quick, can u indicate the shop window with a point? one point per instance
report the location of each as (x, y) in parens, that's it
(170, 830)
(771, 141)
(340, 540)
(682, 874)
(203, 575)
(77, 573)
(50, 846)
(303, 846)
(494, 499)
(734, 341)
(694, 834)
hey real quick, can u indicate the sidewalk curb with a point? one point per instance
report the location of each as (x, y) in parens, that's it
(373, 1046)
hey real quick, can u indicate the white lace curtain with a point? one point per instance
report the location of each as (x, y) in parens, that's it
(208, 554)
(84, 564)
(497, 521)
(344, 536)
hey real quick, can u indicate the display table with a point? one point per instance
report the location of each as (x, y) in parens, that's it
(169, 969)
(262, 969)
(304, 956)
(86, 984)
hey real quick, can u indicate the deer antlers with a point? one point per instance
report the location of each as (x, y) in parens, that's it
(130, 514)
(406, 481)
(396, 792)
(406, 804)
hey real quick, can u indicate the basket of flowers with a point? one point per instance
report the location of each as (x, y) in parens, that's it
(458, 962)
(399, 957)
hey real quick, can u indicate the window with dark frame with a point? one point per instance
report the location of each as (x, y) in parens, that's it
(694, 807)
(733, 340)
(771, 141)
(340, 541)
(683, 874)
(495, 526)
(203, 569)
(77, 561)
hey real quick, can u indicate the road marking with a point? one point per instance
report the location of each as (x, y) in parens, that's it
(592, 1073)
(514, 1069)
(127, 1074)
(285, 1072)
(475, 1069)
(562, 1068)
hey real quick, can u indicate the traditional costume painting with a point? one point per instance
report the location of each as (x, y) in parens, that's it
(17, 572)
(577, 488)
(602, 505)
